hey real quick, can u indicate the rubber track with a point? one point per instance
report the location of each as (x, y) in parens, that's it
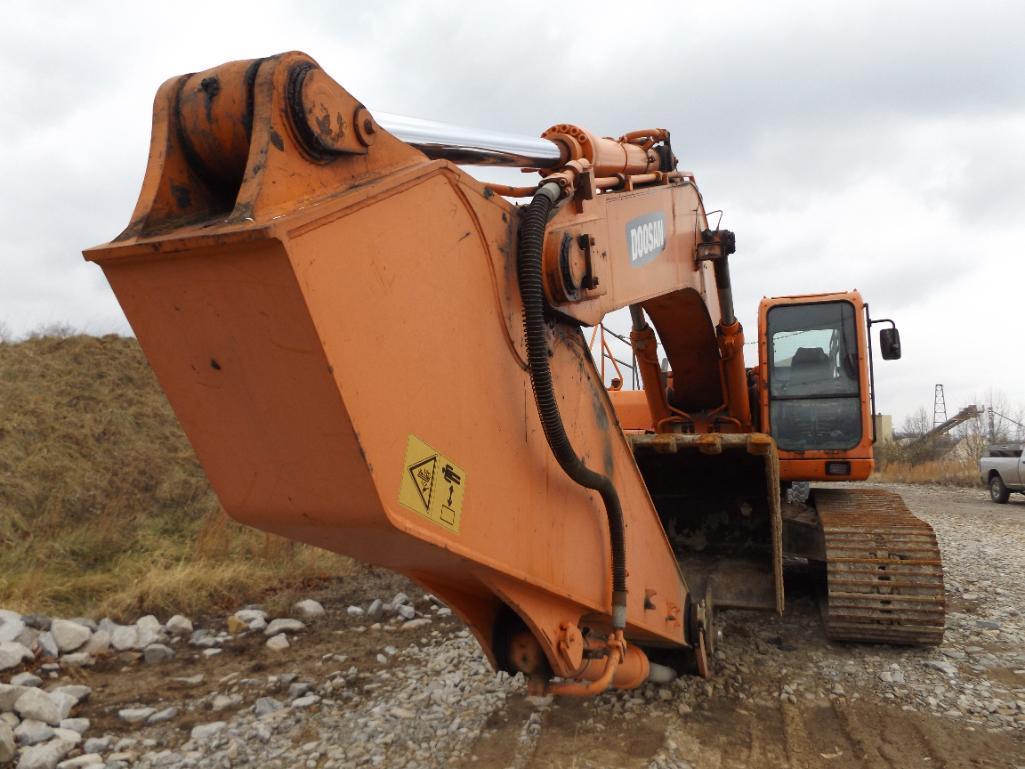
(884, 570)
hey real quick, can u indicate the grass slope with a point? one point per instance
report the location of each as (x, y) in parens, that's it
(103, 505)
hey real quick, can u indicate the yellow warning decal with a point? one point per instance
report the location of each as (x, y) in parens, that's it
(432, 485)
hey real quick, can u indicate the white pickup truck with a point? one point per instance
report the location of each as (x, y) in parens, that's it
(1002, 468)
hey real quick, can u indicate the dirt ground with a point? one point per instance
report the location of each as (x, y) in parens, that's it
(782, 696)
(728, 734)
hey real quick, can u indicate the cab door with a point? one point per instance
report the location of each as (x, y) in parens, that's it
(814, 387)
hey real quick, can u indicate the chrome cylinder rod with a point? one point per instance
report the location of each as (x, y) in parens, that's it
(471, 146)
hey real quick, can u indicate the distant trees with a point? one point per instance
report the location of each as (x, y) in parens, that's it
(998, 421)
(917, 424)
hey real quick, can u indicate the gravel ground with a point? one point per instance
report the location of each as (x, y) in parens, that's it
(358, 690)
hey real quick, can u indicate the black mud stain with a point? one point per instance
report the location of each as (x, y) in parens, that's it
(182, 196)
(210, 86)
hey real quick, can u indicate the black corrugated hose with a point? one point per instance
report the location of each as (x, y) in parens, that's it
(528, 267)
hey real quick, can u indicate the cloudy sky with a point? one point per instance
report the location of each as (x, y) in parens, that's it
(869, 145)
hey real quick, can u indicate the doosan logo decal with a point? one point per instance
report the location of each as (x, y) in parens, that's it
(646, 238)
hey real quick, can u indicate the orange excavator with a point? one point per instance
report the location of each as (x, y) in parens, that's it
(375, 353)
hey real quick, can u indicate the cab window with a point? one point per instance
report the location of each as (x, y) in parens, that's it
(814, 384)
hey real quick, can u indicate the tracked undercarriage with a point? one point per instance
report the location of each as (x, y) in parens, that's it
(883, 571)
(884, 574)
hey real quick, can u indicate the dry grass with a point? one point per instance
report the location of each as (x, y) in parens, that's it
(103, 505)
(945, 472)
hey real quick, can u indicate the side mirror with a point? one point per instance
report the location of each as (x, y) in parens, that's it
(889, 343)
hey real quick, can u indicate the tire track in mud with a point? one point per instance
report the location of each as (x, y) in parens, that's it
(567, 734)
(845, 736)
(860, 741)
(761, 748)
(800, 754)
(729, 734)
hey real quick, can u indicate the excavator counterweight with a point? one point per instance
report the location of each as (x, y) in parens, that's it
(375, 353)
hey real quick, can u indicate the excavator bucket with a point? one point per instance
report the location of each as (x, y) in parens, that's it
(335, 320)
(718, 498)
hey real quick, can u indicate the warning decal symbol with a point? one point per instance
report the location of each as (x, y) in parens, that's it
(423, 476)
(432, 485)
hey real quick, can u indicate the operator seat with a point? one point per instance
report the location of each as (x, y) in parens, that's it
(811, 371)
(810, 374)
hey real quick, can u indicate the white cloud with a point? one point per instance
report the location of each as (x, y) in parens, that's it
(870, 145)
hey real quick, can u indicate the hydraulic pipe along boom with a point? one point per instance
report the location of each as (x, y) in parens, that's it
(471, 146)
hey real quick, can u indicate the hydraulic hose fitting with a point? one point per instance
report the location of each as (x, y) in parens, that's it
(551, 190)
(622, 666)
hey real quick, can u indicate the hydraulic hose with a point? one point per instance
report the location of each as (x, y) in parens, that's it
(529, 272)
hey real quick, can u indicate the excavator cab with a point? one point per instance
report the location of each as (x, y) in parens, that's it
(815, 384)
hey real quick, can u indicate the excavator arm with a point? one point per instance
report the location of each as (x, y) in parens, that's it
(337, 322)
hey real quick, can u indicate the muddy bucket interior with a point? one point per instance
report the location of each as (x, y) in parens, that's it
(717, 497)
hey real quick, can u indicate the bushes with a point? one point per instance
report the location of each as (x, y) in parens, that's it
(896, 464)
(945, 472)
